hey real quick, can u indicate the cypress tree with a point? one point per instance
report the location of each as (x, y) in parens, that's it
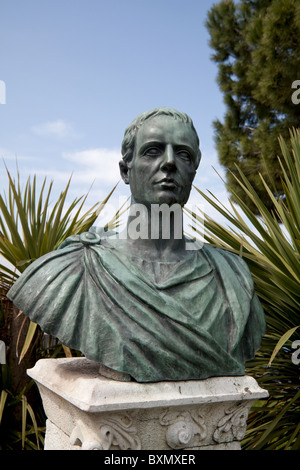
(257, 48)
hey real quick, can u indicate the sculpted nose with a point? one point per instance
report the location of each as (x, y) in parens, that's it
(168, 158)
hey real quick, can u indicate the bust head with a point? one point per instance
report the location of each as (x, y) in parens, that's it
(160, 156)
(128, 144)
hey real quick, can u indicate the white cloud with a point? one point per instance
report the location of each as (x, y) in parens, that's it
(100, 165)
(58, 128)
(94, 171)
(6, 155)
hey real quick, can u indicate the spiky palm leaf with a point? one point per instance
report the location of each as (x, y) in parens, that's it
(270, 244)
(30, 226)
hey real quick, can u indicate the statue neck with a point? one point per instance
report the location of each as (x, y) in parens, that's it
(155, 231)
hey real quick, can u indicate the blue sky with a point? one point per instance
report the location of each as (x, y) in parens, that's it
(77, 72)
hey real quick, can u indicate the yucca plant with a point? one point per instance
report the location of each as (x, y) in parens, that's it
(270, 244)
(30, 226)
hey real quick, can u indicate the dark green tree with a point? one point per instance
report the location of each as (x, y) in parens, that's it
(256, 46)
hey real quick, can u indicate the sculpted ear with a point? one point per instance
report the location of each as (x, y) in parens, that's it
(124, 171)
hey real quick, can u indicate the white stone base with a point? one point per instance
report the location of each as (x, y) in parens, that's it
(88, 411)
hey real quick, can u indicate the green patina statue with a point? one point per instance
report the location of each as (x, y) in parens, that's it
(140, 302)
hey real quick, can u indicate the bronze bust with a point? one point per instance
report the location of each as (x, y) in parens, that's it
(139, 302)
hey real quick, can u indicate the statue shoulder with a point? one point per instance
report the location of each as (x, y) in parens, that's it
(64, 266)
(85, 238)
(93, 237)
(226, 261)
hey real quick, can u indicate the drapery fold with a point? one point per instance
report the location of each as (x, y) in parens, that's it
(202, 319)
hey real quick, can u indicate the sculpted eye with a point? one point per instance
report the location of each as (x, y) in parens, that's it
(152, 152)
(184, 155)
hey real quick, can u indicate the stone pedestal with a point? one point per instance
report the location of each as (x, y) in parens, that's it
(88, 411)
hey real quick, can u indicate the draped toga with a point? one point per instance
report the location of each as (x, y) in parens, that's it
(199, 318)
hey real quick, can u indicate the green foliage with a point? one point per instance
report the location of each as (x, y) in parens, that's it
(30, 226)
(256, 47)
(29, 434)
(270, 244)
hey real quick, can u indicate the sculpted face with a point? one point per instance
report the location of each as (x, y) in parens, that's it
(164, 162)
